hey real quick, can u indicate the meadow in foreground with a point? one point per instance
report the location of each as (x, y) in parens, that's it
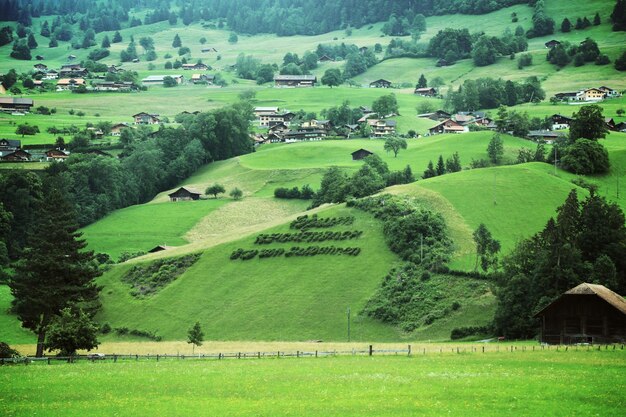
(519, 383)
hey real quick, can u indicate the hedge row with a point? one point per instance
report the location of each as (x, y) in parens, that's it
(245, 255)
(307, 237)
(314, 222)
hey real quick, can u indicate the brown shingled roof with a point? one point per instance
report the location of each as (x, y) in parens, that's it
(614, 299)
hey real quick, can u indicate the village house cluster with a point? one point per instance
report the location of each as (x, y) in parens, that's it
(588, 95)
(280, 126)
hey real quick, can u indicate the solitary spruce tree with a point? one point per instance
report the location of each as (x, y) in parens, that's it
(55, 271)
(195, 336)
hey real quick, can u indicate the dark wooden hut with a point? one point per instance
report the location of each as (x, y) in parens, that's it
(588, 313)
(184, 194)
(360, 154)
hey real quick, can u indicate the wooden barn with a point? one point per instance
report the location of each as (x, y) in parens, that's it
(184, 194)
(360, 154)
(588, 313)
(381, 83)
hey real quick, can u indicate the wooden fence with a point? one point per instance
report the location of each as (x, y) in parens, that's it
(369, 351)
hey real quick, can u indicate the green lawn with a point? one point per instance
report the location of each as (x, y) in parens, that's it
(142, 227)
(12, 332)
(491, 384)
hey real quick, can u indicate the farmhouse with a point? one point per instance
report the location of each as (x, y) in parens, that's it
(546, 135)
(360, 154)
(426, 92)
(11, 104)
(40, 67)
(609, 92)
(114, 86)
(116, 129)
(202, 78)
(303, 134)
(560, 122)
(621, 127)
(184, 194)
(144, 118)
(325, 58)
(56, 155)
(447, 126)
(158, 79)
(279, 128)
(51, 75)
(271, 119)
(9, 145)
(72, 70)
(381, 83)
(195, 67)
(610, 123)
(591, 94)
(382, 127)
(588, 313)
(18, 155)
(69, 83)
(295, 80)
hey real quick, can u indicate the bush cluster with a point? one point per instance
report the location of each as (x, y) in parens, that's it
(307, 237)
(148, 279)
(306, 193)
(314, 222)
(122, 331)
(461, 332)
(245, 255)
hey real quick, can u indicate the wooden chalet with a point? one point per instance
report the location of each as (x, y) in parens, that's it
(195, 67)
(56, 155)
(381, 83)
(621, 127)
(185, 194)
(547, 135)
(438, 115)
(279, 128)
(610, 123)
(447, 126)
(40, 67)
(552, 43)
(382, 127)
(426, 92)
(16, 104)
(210, 49)
(591, 94)
(302, 134)
(560, 122)
(325, 58)
(144, 118)
(295, 80)
(360, 154)
(18, 155)
(588, 313)
(70, 83)
(98, 152)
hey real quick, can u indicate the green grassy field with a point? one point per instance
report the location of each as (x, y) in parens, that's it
(142, 227)
(491, 384)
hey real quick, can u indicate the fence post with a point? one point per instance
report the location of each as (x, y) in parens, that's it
(259, 355)
(238, 355)
(219, 356)
(483, 349)
(371, 350)
(409, 349)
(114, 358)
(316, 353)
(157, 357)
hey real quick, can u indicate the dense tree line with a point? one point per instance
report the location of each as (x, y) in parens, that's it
(586, 242)
(489, 93)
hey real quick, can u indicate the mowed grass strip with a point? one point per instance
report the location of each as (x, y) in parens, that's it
(141, 227)
(490, 384)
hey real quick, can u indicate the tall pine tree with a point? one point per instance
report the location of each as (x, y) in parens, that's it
(55, 271)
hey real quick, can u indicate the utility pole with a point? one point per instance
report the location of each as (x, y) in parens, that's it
(348, 323)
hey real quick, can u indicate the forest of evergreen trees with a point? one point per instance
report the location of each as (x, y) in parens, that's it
(283, 17)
